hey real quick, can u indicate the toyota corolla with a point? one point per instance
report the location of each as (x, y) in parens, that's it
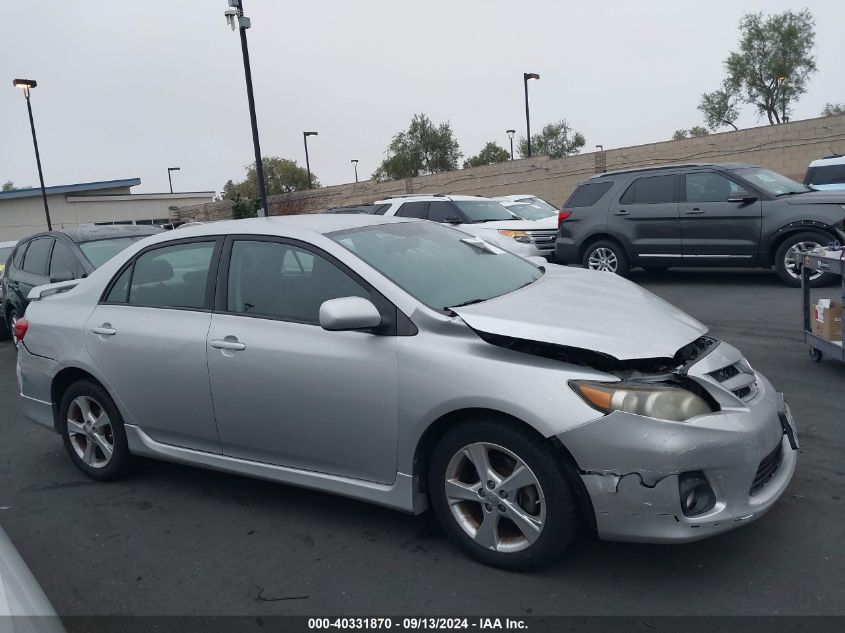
(405, 363)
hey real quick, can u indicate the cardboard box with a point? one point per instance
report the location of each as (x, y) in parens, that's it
(826, 319)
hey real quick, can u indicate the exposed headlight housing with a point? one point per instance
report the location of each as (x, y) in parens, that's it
(662, 401)
(519, 236)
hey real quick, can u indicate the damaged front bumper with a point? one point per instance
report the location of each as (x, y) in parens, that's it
(631, 465)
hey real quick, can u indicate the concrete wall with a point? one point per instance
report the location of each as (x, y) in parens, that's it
(786, 148)
(20, 217)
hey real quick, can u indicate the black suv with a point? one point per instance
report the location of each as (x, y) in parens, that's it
(56, 256)
(728, 214)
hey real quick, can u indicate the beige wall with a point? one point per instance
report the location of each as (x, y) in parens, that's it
(20, 217)
(787, 148)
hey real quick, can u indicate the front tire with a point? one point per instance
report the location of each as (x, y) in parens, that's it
(93, 432)
(788, 270)
(501, 493)
(607, 256)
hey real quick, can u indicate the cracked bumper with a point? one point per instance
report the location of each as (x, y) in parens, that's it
(630, 466)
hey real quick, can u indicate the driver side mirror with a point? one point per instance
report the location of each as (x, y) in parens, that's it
(349, 313)
(64, 275)
(741, 196)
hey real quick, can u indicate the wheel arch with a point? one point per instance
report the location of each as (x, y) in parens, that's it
(783, 233)
(599, 237)
(432, 434)
(60, 383)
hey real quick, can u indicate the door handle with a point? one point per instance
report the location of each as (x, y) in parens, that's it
(694, 211)
(227, 344)
(104, 330)
(621, 212)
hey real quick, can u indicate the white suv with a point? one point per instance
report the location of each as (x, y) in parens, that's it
(481, 217)
(826, 173)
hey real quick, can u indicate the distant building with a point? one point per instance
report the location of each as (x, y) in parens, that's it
(106, 202)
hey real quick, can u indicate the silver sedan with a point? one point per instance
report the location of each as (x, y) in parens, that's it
(405, 363)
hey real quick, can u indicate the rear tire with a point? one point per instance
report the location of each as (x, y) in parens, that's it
(607, 256)
(788, 273)
(10, 323)
(529, 512)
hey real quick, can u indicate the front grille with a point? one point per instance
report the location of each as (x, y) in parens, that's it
(737, 380)
(726, 372)
(542, 238)
(767, 469)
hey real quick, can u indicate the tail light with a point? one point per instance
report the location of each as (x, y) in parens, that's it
(561, 216)
(20, 327)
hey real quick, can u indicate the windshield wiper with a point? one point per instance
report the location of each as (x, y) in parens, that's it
(465, 303)
(791, 193)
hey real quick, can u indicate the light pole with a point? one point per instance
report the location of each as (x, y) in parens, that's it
(355, 165)
(305, 136)
(783, 117)
(525, 78)
(510, 134)
(236, 19)
(169, 180)
(26, 85)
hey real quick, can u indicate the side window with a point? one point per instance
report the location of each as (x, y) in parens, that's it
(37, 255)
(588, 195)
(63, 261)
(440, 211)
(17, 258)
(172, 276)
(651, 190)
(708, 187)
(413, 210)
(381, 209)
(284, 282)
(120, 289)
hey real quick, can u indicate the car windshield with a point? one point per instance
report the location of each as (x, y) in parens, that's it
(439, 266)
(533, 209)
(770, 181)
(99, 252)
(483, 210)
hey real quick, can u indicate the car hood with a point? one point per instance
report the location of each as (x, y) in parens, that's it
(512, 225)
(590, 310)
(817, 197)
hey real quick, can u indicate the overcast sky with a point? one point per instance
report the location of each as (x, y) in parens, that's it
(127, 88)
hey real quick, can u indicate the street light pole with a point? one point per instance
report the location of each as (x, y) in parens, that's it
(169, 180)
(26, 85)
(510, 134)
(355, 165)
(236, 19)
(525, 78)
(305, 136)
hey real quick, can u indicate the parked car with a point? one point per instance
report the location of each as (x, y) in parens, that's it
(6, 249)
(826, 173)
(729, 214)
(481, 217)
(406, 363)
(528, 207)
(59, 256)
(357, 208)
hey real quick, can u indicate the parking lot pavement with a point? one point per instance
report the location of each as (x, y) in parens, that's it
(178, 540)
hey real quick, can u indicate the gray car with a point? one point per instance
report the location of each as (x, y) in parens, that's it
(408, 364)
(729, 214)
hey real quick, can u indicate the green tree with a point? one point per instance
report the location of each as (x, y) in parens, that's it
(424, 148)
(281, 175)
(555, 140)
(9, 186)
(830, 109)
(694, 132)
(720, 107)
(489, 155)
(774, 62)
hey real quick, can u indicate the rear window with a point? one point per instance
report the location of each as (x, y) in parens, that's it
(587, 195)
(825, 175)
(653, 190)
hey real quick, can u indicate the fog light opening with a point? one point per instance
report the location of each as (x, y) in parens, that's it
(696, 493)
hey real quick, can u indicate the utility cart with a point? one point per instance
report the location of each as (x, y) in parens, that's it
(831, 261)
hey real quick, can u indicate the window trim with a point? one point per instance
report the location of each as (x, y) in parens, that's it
(52, 240)
(393, 321)
(676, 189)
(80, 269)
(209, 282)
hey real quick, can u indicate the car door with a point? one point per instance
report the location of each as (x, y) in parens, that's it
(147, 338)
(286, 391)
(34, 268)
(715, 230)
(646, 217)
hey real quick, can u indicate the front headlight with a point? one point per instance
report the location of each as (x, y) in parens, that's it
(662, 401)
(519, 236)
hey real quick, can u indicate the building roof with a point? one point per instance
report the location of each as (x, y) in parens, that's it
(78, 187)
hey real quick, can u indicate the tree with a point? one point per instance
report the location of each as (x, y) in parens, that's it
(9, 186)
(774, 62)
(830, 109)
(694, 132)
(555, 140)
(424, 148)
(720, 107)
(281, 175)
(489, 155)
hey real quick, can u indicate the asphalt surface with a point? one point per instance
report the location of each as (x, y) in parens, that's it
(174, 540)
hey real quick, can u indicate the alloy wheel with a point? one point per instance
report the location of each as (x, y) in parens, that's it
(90, 432)
(495, 497)
(789, 263)
(603, 259)
(13, 319)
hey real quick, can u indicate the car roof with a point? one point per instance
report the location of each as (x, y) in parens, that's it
(429, 197)
(678, 166)
(105, 231)
(828, 160)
